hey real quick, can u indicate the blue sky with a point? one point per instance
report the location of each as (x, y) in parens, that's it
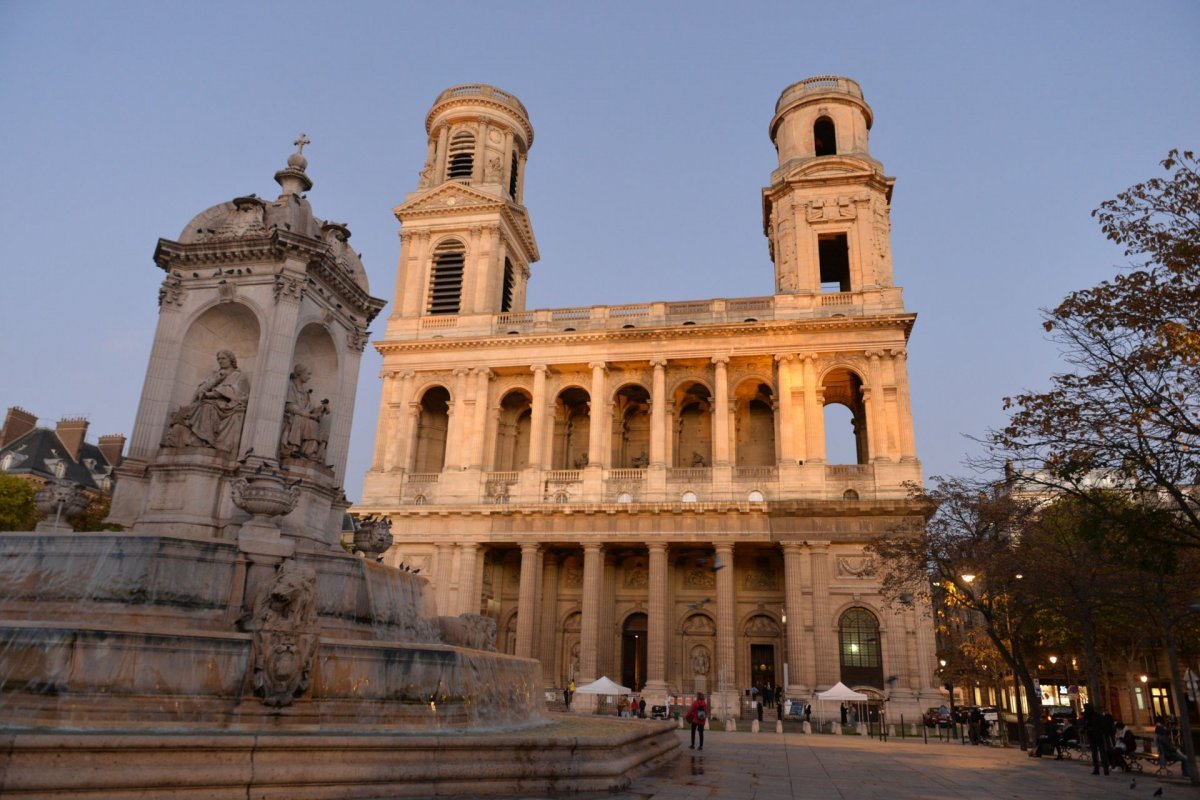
(1004, 124)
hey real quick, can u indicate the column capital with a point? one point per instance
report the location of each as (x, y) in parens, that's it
(720, 361)
(657, 546)
(531, 547)
(781, 357)
(818, 546)
(538, 368)
(874, 355)
(595, 547)
(460, 372)
(723, 547)
(899, 353)
(597, 365)
(658, 363)
(792, 547)
(484, 372)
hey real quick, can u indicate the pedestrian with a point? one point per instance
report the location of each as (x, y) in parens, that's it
(973, 723)
(1167, 751)
(697, 715)
(808, 712)
(567, 698)
(571, 692)
(779, 701)
(844, 713)
(1093, 723)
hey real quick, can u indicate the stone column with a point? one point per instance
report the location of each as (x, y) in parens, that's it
(814, 418)
(787, 441)
(908, 445)
(658, 414)
(823, 638)
(605, 656)
(408, 438)
(397, 433)
(506, 162)
(793, 603)
(726, 677)
(440, 173)
(444, 572)
(527, 605)
(721, 415)
(597, 422)
(386, 428)
(479, 429)
(460, 420)
(656, 628)
(589, 625)
(537, 417)
(468, 589)
(806, 631)
(549, 620)
(876, 416)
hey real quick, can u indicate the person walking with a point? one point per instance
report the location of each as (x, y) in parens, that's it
(1093, 723)
(697, 715)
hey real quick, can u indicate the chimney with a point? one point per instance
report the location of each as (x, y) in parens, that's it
(17, 423)
(71, 432)
(112, 446)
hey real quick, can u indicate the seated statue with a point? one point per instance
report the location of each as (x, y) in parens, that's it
(305, 424)
(215, 415)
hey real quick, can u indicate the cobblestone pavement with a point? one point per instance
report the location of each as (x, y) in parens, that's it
(770, 766)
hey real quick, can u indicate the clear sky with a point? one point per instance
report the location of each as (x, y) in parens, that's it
(1004, 124)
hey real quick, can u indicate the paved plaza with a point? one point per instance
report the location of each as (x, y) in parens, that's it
(769, 766)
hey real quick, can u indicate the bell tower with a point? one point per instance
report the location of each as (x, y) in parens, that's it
(466, 239)
(826, 214)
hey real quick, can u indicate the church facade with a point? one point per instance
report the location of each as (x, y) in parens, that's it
(643, 491)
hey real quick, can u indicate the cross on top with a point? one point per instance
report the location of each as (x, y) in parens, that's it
(303, 140)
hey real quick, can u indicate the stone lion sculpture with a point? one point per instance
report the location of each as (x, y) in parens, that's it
(474, 631)
(285, 635)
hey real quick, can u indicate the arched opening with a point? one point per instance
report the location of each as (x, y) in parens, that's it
(312, 398)
(513, 181)
(570, 646)
(506, 290)
(631, 428)
(462, 156)
(845, 419)
(693, 426)
(860, 652)
(824, 137)
(763, 634)
(446, 277)
(754, 425)
(512, 432)
(633, 651)
(572, 427)
(432, 425)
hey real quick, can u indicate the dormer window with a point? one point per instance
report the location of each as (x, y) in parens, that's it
(462, 156)
(445, 282)
(824, 137)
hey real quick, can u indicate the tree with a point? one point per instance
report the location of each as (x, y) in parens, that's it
(1127, 413)
(17, 512)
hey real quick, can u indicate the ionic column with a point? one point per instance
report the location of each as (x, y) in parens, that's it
(459, 421)
(537, 418)
(876, 424)
(597, 421)
(787, 442)
(549, 620)
(414, 257)
(589, 625)
(408, 440)
(527, 605)
(479, 430)
(386, 427)
(443, 135)
(721, 416)
(814, 419)
(658, 414)
(397, 435)
(823, 639)
(468, 589)
(606, 656)
(656, 628)
(726, 678)
(793, 604)
(444, 572)
(908, 444)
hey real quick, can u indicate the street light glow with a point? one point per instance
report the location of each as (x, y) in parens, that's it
(969, 578)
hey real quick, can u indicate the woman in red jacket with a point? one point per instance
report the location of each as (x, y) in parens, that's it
(697, 715)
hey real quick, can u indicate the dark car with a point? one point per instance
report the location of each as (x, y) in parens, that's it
(938, 716)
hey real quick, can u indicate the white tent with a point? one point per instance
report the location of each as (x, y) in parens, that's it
(841, 693)
(602, 686)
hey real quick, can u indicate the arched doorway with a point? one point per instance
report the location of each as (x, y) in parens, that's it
(512, 432)
(572, 429)
(693, 426)
(631, 428)
(633, 651)
(858, 644)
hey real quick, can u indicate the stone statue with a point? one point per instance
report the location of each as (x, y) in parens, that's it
(582, 461)
(697, 460)
(701, 661)
(285, 635)
(214, 417)
(60, 500)
(305, 425)
(425, 179)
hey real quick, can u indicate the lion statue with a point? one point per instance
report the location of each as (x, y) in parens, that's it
(285, 635)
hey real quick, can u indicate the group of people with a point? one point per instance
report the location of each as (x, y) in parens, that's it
(766, 697)
(1111, 743)
(631, 706)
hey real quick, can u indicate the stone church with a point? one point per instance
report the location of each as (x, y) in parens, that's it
(643, 491)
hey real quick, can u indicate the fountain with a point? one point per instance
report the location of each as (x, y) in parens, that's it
(225, 644)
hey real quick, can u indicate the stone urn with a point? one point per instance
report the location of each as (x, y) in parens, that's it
(262, 491)
(373, 536)
(59, 500)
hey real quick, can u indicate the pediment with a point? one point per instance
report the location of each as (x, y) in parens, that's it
(448, 197)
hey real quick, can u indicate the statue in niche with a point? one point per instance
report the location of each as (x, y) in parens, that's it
(285, 635)
(574, 660)
(582, 461)
(305, 424)
(701, 660)
(640, 461)
(214, 417)
(698, 460)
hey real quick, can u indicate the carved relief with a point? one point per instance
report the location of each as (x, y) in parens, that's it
(285, 635)
(759, 579)
(425, 177)
(468, 630)
(882, 227)
(573, 576)
(698, 578)
(699, 625)
(491, 171)
(171, 292)
(246, 221)
(855, 566)
(288, 286)
(701, 660)
(356, 338)
(637, 577)
(762, 626)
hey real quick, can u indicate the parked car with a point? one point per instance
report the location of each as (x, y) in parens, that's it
(938, 716)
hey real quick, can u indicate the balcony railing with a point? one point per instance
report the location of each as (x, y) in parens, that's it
(564, 475)
(695, 474)
(756, 473)
(627, 474)
(423, 477)
(844, 471)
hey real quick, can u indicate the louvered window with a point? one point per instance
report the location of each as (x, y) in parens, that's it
(506, 299)
(512, 176)
(462, 155)
(445, 285)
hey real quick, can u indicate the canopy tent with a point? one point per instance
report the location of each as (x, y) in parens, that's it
(841, 693)
(602, 686)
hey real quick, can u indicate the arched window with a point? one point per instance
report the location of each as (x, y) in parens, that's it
(825, 137)
(445, 284)
(754, 427)
(693, 427)
(432, 425)
(512, 176)
(512, 432)
(631, 428)
(858, 645)
(845, 417)
(572, 429)
(462, 155)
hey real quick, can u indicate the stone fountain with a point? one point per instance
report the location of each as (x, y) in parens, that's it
(225, 644)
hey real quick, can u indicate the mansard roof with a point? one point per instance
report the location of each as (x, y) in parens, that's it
(41, 453)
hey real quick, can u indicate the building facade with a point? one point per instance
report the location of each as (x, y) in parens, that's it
(643, 491)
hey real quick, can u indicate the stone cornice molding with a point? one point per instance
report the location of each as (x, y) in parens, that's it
(474, 101)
